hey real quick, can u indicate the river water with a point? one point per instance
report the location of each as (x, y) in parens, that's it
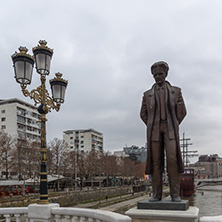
(208, 199)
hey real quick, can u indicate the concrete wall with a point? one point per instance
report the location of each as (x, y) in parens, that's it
(72, 198)
(65, 198)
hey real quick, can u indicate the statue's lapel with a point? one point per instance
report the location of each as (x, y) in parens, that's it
(171, 93)
(152, 98)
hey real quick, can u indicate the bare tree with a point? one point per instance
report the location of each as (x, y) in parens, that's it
(139, 169)
(92, 164)
(27, 158)
(82, 166)
(59, 151)
(72, 159)
(7, 152)
(31, 158)
(110, 168)
(127, 167)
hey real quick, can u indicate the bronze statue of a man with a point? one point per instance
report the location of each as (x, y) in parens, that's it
(162, 111)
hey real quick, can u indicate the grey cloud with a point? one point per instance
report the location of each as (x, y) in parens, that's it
(105, 50)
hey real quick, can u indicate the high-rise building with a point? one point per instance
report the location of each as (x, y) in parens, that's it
(84, 140)
(20, 120)
(135, 153)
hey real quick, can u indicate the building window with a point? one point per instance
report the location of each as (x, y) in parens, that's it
(29, 128)
(82, 146)
(3, 111)
(34, 137)
(3, 126)
(82, 142)
(71, 138)
(29, 113)
(82, 136)
(71, 147)
(34, 115)
(21, 135)
(29, 136)
(3, 119)
(21, 119)
(21, 127)
(21, 112)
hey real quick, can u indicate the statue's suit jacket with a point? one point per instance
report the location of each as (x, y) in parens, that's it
(175, 114)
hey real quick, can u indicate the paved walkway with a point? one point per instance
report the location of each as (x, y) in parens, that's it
(124, 204)
(95, 203)
(116, 203)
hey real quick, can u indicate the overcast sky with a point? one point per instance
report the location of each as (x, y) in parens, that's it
(105, 50)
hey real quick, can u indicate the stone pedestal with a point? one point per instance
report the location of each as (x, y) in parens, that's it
(143, 215)
(163, 205)
(41, 212)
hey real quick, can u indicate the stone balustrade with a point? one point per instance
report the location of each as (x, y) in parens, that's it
(211, 218)
(52, 212)
(15, 212)
(81, 214)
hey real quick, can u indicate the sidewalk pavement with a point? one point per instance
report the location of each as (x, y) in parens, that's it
(115, 206)
(129, 203)
(94, 203)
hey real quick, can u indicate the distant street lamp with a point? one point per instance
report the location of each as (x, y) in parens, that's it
(23, 66)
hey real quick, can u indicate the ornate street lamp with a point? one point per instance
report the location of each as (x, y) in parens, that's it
(23, 67)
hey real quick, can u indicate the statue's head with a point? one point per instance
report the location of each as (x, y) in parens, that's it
(159, 71)
(162, 65)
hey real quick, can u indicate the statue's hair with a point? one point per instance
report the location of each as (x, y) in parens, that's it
(162, 64)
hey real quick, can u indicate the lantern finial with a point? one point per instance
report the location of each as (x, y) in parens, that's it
(58, 75)
(42, 42)
(23, 50)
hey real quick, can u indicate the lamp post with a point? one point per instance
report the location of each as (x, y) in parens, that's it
(23, 66)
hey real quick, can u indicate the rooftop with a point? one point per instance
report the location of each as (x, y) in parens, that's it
(16, 100)
(82, 131)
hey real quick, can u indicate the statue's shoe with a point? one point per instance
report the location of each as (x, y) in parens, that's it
(176, 199)
(154, 199)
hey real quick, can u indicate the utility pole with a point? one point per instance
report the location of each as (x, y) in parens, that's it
(185, 152)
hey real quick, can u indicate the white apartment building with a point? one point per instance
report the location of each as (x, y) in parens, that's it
(84, 140)
(20, 119)
(120, 154)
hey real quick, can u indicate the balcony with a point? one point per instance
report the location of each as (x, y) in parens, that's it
(52, 212)
(21, 112)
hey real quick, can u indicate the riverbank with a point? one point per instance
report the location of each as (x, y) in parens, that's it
(120, 204)
(214, 188)
(208, 199)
